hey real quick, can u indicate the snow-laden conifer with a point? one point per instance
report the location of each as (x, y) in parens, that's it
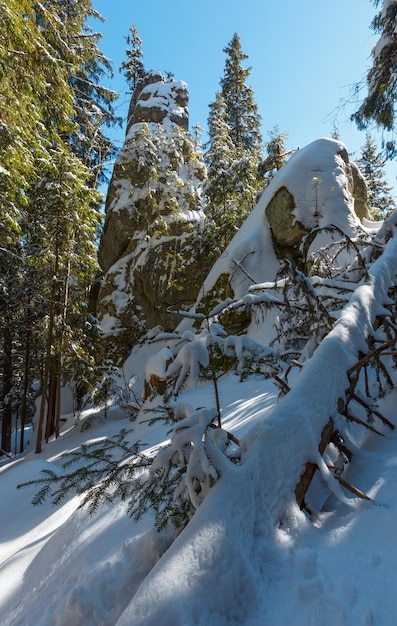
(371, 164)
(379, 105)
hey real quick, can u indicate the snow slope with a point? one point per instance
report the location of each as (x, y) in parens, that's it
(224, 568)
(72, 568)
(249, 556)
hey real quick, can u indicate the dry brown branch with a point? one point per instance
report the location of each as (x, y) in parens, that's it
(374, 353)
(357, 420)
(373, 411)
(310, 468)
(347, 485)
(282, 383)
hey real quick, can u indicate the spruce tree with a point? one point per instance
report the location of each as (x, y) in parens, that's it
(379, 105)
(277, 154)
(133, 67)
(51, 155)
(371, 165)
(223, 217)
(241, 110)
(65, 268)
(221, 153)
(233, 152)
(27, 127)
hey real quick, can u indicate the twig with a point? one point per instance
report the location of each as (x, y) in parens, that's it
(10, 456)
(374, 411)
(239, 266)
(229, 435)
(370, 355)
(282, 383)
(352, 418)
(347, 485)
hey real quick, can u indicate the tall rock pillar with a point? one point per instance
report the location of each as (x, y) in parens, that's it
(150, 251)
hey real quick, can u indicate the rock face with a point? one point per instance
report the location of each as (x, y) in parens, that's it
(317, 187)
(157, 99)
(149, 252)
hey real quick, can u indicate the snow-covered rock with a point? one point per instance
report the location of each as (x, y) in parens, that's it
(158, 99)
(148, 250)
(317, 187)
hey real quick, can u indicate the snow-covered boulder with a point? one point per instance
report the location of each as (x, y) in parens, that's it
(317, 187)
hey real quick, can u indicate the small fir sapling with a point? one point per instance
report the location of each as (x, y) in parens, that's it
(249, 352)
(316, 183)
(114, 388)
(211, 353)
(188, 455)
(172, 483)
(188, 360)
(177, 477)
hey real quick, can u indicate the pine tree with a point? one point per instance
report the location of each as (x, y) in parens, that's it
(133, 67)
(371, 165)
(241, 110)
(220, 189)
(277, 154)
(379, 105)
(234, 153)
(51, 158)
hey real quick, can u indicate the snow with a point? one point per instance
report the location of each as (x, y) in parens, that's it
(162, 96)
(315, 177)
(109, 324)
(156, 364)
(249, 556)
(232, 537)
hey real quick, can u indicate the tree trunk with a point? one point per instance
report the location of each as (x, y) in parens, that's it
(47, 363)
(25, 384)
(52, 394)
(6, 391)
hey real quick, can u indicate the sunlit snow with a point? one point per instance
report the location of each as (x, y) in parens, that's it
(249, 556)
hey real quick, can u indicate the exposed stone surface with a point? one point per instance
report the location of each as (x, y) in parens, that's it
(360, 193)
(149, 254)
(287, 232)
(140, 288)
(154, 99)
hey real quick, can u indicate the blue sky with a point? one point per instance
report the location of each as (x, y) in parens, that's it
(305, 57)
